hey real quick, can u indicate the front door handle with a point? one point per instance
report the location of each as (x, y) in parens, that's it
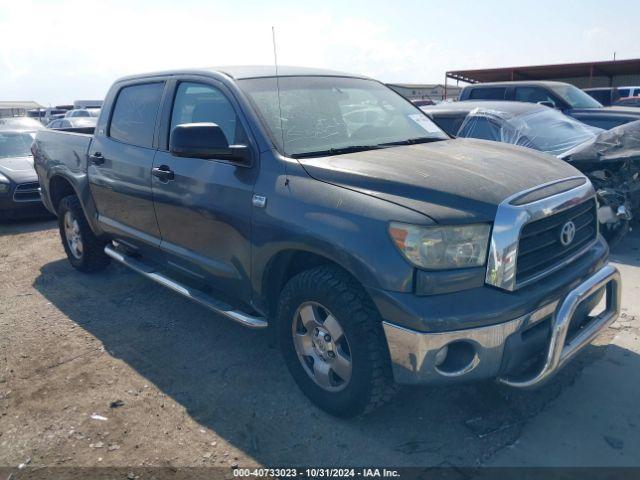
(96, 158)
(163, 172)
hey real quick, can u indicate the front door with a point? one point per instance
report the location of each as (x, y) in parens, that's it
(120, 162)
(203, 206)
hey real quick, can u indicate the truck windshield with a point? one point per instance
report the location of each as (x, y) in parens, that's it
(332, 115)
(13, 144)
(575, 97)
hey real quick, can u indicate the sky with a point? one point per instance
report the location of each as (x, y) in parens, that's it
(58, 51)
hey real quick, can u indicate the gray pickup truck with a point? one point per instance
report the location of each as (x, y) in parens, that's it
(377, 250)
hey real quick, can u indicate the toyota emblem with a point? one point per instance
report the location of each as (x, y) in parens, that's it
(567, 233)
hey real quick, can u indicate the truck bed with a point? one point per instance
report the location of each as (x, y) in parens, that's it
(64, 154)
(64, 149)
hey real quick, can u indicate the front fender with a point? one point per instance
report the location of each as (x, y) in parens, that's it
(346, 227)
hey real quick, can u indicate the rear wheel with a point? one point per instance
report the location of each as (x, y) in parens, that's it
(332, 341)
(84, 250)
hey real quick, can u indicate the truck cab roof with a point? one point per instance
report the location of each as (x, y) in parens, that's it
(241, 72)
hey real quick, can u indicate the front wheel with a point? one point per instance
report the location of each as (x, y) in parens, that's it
(84, 250)
(332, 341)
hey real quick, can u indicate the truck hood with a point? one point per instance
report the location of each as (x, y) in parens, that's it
(450, 181)
(18, 169)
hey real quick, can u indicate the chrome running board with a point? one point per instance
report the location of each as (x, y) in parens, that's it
(193, 294)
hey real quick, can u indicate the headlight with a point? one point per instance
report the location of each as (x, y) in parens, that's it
(441, 248)
(5, 184)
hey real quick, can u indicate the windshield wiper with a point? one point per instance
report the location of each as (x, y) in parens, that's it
(337, 151)
(412, 141)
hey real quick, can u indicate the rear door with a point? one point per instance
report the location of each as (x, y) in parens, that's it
(120, 163)
(204, 211)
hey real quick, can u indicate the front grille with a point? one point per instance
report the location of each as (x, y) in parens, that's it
(540, 248)
(27, 192)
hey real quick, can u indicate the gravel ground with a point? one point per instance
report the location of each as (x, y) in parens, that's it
(112, 370)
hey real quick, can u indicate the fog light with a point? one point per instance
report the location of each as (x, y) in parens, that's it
(456, 358)
(441, 355)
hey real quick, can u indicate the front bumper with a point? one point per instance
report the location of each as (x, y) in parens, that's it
(10, 210)
(488, 352)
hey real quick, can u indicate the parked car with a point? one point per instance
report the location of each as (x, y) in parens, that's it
(23, 124)
(19, 188)
(627, 102)
(422, 102)
(610, 95)
(567, 98)
(87, 104)
(45, 115)
(613, 167)
(83, 112)
(373, 253)
(74, 123)
(56, 116)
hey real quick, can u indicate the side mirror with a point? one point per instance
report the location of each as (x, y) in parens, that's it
(547, 103)
(206, 140)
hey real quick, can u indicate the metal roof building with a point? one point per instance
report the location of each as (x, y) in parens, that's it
(583, 75)
(16, 109)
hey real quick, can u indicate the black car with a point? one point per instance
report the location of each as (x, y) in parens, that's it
(19, 188)
(611, 95)
(565, 97)
(20, 124)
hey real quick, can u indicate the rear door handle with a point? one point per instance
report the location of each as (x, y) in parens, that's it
(163, 172)
(96, 158)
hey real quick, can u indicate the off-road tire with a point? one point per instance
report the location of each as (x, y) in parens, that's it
(93, 257)
(371, 384)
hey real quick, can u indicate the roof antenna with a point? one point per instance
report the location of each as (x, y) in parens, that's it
(275, 61)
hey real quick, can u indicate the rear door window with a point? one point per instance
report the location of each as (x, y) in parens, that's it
(488, 93)
(450, 123)
(482, 128)
(134, 114)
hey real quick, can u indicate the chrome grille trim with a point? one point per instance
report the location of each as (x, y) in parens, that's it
(505, 235)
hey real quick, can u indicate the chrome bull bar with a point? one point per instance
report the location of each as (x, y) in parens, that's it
(560, 351)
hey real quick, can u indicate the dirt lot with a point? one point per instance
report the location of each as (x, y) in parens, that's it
(110, 369)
